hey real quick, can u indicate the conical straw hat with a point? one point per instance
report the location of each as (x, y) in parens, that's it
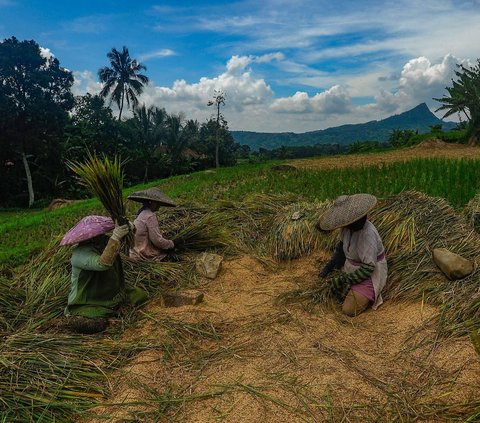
(347, 209)
(152, 194)
(87, 228)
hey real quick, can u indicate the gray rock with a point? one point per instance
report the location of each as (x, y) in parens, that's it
(208, 265)
(451, 264)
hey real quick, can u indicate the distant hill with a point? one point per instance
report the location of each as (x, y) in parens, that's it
(419, 118)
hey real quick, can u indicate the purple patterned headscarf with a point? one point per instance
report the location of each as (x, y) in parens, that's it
(89, 227)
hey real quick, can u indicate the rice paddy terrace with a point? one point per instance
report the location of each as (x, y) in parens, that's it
(268, 344)
(426, 150)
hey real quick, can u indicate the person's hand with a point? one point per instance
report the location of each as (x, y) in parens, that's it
(120, 232)
(131, 227)
(179, 244)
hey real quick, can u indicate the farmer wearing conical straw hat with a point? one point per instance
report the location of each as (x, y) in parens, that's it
(360, 252)
(150, 245)
(97, 281)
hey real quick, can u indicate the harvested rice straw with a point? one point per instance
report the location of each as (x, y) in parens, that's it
(206, 232)
(104, 178)
(293, 231)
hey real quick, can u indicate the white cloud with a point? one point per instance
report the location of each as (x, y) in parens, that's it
(84, 82)
(46, 53)
(165, 52)
(335, 100)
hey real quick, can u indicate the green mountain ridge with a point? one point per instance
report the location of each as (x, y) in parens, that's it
(419, 118)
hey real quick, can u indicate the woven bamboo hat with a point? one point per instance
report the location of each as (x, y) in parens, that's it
(152, 194)
(347, 209)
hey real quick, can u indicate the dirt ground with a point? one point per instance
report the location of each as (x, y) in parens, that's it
(240, 357)
(427, 149)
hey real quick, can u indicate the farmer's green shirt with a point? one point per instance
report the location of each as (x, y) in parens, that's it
(96, 290)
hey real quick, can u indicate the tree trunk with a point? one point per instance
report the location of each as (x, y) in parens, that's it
(121, 106)
(145, 176)
(217, 141)
(31, 194)
(473, 141)
(217, 149)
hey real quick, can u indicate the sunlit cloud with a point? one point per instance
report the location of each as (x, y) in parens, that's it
(165, 52)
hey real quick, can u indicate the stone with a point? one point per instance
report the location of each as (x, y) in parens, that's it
(208, 265)
(182, 298)
(297, 215)
(59, 203)
(209, 171)
(451, 264)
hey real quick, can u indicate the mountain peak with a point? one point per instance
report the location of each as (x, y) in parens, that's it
(420, 119)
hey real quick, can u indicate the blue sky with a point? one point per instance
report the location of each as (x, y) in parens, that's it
(284, 65)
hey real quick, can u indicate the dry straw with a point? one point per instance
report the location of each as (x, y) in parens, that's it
(104, 178)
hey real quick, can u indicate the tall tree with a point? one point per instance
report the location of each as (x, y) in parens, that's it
(464, 98)
(93, 127)
(123, 80)
(150, 125)
(34, 99)
(176, 140)
(217, 102)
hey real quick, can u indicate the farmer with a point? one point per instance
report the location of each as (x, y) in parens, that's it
(360, 252)
(150, 245)
(97, 281)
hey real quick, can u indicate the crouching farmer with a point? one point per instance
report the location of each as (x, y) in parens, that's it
(360, 253)
(97, 280)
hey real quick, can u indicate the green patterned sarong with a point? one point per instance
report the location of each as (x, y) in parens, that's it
(97, 290)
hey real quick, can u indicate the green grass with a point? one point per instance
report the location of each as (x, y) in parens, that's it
(25, 233)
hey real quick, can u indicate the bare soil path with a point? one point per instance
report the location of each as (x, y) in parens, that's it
(239, 357)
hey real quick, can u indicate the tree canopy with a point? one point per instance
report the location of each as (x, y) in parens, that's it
(463, 98)
(122, 80)
(35, 97)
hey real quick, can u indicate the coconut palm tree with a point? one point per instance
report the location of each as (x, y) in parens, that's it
(123, 80)
(464, 98)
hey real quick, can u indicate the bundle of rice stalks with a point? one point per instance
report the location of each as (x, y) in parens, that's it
(173, 220)
(51, 379)
(293, 231)
(104, 178)
(250, 221)
(154, 277)
(207, 232)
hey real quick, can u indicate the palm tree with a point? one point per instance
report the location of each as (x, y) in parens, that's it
(150, 126)
(123, 80)
(464, 97)
(176, 139)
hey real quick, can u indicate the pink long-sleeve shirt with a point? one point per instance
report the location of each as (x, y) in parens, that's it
(149, 242)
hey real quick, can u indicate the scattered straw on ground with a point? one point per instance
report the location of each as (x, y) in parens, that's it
(425, 150)
(238, 357)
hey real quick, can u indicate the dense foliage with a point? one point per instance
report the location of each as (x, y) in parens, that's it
(42, 125)
(463, 98)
